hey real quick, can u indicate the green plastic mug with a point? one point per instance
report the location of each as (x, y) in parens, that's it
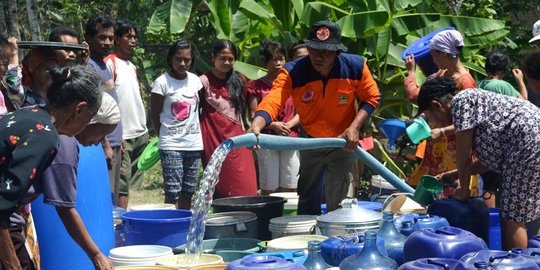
(427, 189)
(419, 130)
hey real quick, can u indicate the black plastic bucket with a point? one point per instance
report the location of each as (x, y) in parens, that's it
(265, 207)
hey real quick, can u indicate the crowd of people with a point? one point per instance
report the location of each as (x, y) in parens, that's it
(55, 99)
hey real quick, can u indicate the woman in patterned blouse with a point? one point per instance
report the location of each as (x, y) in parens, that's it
(29, 140)
(503, 132)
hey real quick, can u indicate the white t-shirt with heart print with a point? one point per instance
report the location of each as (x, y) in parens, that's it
(180, 129)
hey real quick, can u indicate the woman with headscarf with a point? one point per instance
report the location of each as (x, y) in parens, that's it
(488, 125)
(59, 186)
(439, 154)
(30, 140)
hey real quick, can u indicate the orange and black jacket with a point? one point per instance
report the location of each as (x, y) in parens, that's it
(326, 106)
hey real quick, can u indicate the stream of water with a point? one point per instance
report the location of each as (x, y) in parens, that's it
(203, 200)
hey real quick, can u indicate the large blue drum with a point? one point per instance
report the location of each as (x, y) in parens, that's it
(57, 249)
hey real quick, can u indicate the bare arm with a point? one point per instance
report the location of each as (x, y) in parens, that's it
(156, 105)
(463, 162)
(295, 121)
(518, 75)
(8, 256)
(444, 131)
(76, 229)
(252, 103)
(352, 133)
(409, 83)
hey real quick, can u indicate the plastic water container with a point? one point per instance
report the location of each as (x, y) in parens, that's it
(138, 255)
(534, 242)
(185, 261)
(57, 248)
(156, 227)
(295, 242)
(499, 260)
(291, 206)
(532, 254)
(446, 242)
(265, 207)
(262, 262)
(297, 256)
(472, 215)
(407, 228)
(153, 206)
(374, 206)
(292, 225)
(433, 222)
(422, 55)
(495, 242)
(380, 186)
(335, 249)
(433, 263)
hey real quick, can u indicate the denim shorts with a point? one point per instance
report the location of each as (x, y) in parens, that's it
(180, 172)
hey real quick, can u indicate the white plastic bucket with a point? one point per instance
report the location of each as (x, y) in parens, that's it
(185, 261)
(153, 206)
(294, 242)
(291, 205)
(380, 186)
(138, 255)
(292, 225)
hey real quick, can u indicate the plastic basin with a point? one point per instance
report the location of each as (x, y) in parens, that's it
(156, 227)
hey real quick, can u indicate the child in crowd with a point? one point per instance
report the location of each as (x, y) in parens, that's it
(276, 168)
(174, 105)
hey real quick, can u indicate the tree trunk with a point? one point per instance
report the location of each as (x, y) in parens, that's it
(3, 27)
(11, 19)
(33, 19)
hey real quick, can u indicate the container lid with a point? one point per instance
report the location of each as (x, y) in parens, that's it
(287, 221)
(230, 218)
(293, 242)
(263, 262)
(350, 213)
(286, 195)
(145, 268)
(140, 252)
(152, 206)
(248, 202)
(420, 48)
(189, 260)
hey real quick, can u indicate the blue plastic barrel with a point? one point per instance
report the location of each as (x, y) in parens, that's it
(534, 242)
(495, 242)
(433, 264)
(532, 254)
(167, 227)
(472, 215)
(57, 249)
(420, 50)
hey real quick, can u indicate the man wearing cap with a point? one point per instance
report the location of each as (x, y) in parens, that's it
(325, 87)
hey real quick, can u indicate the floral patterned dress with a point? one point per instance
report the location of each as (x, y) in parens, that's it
(507, 140)
(28, 145)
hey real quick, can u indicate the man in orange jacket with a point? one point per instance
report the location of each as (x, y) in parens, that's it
(324, 86)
